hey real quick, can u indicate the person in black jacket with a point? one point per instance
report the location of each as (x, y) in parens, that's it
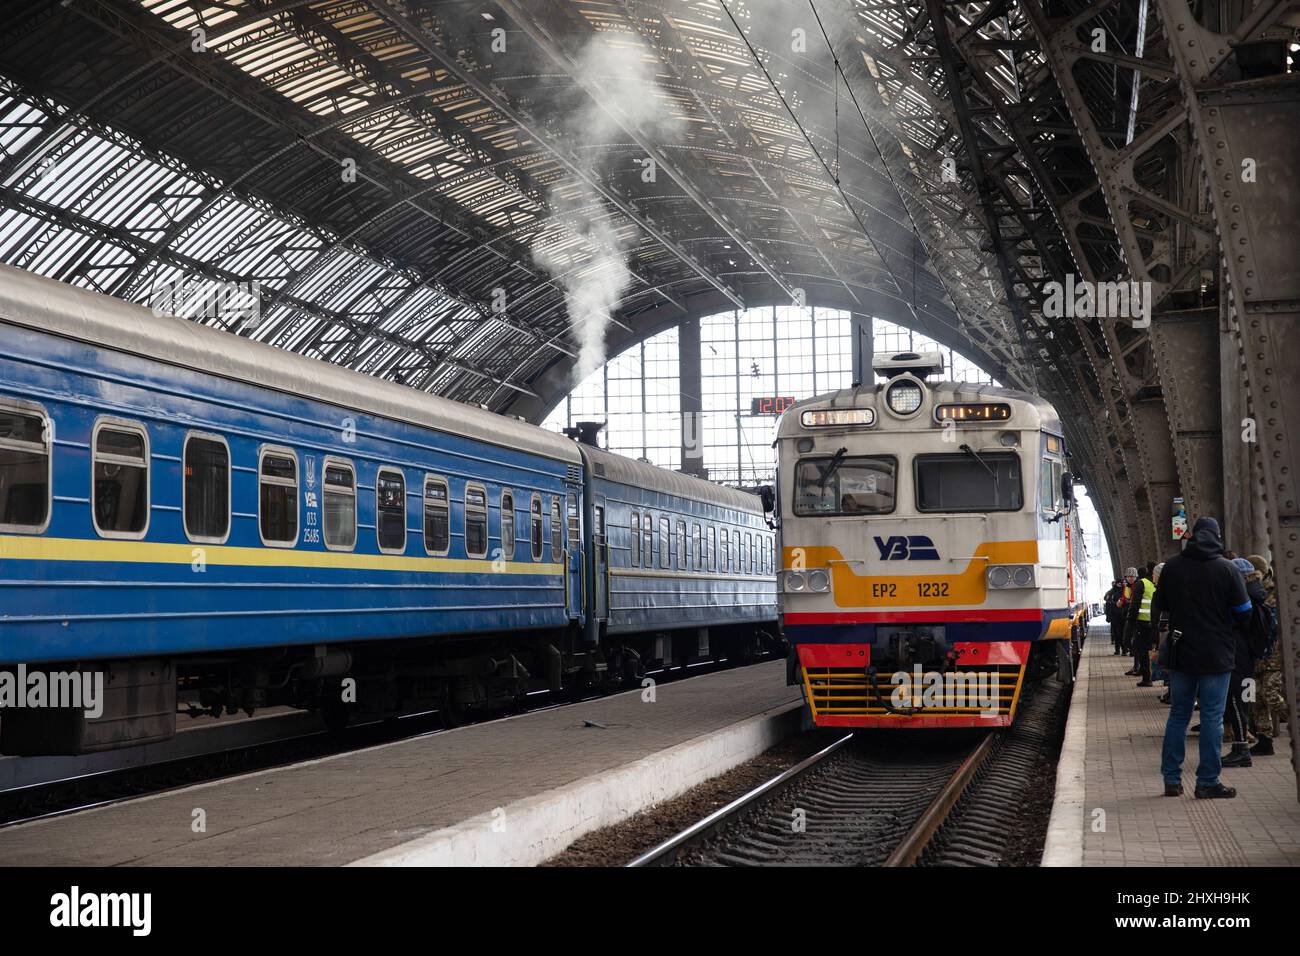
(1243, 671)
(1112, 616)
(1204, 596)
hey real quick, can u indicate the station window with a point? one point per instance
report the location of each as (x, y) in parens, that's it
(437, 515)
(24, 469)
(713, 548)
(339, 504)
(121, 481)
(475, 521)
(697, 547)
(535, 527)
(647, 541)
(665, 542)
(390, 510)
(206, 488)
(682, 560)
(724, 552)
(634, 537)
(507, 525)
(557, 529)
(277, 499)
(575, 525)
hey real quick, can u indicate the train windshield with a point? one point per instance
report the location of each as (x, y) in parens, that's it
(964, 483)
(845, 486)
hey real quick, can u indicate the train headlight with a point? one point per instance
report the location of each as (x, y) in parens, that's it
(904, 397)
(819, 580)
(1002, 576)
(795, 581)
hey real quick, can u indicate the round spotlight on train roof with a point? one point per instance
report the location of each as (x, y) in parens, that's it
(904, 397)
(999, 577)
(1022, 576)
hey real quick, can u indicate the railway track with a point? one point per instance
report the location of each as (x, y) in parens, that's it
(881, 801)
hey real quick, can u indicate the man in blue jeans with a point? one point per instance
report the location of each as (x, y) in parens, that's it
(1202, 594)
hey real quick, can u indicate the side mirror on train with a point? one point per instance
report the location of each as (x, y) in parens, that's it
(768, 498)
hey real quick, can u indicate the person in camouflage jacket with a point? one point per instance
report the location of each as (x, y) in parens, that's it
(1270, 710)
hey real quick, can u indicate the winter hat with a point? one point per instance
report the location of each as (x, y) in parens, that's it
(1260, 563)
(1130, 572)
(1155, 572)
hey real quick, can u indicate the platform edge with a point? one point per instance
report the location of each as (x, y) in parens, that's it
(1064, 843)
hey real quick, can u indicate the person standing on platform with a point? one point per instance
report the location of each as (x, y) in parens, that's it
(1142, 628)
(1204, 596)
(1270, 710)
(1131, 607)
(1251, 638)
(1126, 591)
(1112, 616)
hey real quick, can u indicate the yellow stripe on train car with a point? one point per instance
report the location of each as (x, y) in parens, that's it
(851, 589)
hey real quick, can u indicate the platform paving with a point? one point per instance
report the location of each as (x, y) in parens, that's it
(1121, 777)
(348, 807)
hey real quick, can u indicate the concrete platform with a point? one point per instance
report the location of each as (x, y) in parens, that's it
(513, 791)
(1111, 764)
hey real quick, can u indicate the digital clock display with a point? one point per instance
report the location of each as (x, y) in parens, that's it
(770, 405)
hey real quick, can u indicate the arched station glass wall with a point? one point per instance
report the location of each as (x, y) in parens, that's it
(747, 359)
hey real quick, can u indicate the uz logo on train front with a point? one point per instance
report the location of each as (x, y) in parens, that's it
(915, 547)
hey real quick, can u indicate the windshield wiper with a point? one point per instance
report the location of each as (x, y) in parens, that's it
(832, 467)
(983, 464)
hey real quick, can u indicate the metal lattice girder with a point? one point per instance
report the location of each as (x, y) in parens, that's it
(1244, 113)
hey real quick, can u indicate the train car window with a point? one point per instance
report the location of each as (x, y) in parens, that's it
(575, 526)
(120, 489)
(535, 527)
(634, 537)
(437, 515)
(277, 499)
(475, 521)
(390, 510)
(847, 486)
(712, 556)
(697, 547)
(682, 560)
(507, 525)
(24, 469)
(747, 554)
(961, 483)
(724, 552)
(665, 543)
(647, 541)
(557, 529)
(205, 490)
(339, 504)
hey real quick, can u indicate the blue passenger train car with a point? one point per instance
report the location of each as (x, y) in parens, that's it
(211, 521)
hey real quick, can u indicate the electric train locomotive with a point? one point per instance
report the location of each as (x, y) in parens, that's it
(922, 532)
(215, 525)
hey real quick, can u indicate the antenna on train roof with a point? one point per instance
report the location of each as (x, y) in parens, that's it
(919, 364)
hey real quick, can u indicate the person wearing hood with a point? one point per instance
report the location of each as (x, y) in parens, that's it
(1204, 596)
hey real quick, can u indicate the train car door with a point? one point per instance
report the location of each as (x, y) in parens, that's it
(600, 559)
(575, 590)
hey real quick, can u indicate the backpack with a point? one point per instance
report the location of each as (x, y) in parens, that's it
(1261, 630)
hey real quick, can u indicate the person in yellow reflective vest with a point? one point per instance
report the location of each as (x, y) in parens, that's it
(1144, 592)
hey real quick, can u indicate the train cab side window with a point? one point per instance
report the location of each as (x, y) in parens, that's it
(475, 521)
(697, 548)
(339, 504)
(665, 542)
(437, 515)
(120, 493)
(507, 525)
(682, 560)
(390, 510)
(712, 556)
(24, 469)
(647, 541)
(535, 526)
(277, 498)
(634, 539)
(1050, 486)
(557, 529)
